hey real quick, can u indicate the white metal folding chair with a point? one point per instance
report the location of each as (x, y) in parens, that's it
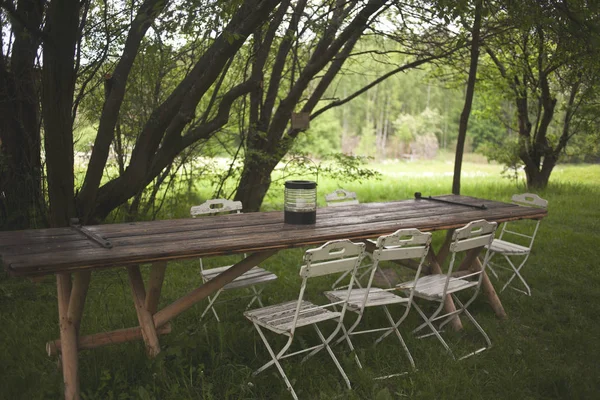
(470, 238)
(517, 248)
(342, 197)
(401, 245)
(283, 319)
(253, 279)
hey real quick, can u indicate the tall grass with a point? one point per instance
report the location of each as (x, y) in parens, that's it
(547, 348)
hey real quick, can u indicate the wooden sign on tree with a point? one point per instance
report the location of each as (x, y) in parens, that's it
(300, 120)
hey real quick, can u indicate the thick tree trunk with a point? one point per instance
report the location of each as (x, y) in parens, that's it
(21, 199)
(254, 183)
(464, 116)
(58, 77)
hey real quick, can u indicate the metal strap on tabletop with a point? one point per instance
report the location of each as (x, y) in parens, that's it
(74, 223)
(418, 196)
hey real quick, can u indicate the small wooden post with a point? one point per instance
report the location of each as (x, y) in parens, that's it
(68, 337)
(144, 317)
(157, 276)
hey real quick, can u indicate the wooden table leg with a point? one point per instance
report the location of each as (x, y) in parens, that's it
(449, 306)
(490, 292)
(157, 277)
(443, 252)
(144, 317)
(68, 337)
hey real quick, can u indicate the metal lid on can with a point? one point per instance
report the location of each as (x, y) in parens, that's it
(300, 184)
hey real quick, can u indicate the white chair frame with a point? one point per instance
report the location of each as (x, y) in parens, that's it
(283, 319)
(476, 234)
(342, 197)
(403, 244)
(509, 250)
(251, 279)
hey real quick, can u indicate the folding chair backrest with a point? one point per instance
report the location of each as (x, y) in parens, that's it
(529, 199)
(523, 232)
(402, 245)
(475, 234)
(217, 206)
(341, 197)
(333, 257)
(214, 207)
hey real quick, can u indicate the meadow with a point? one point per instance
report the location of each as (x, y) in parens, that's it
(548, 348)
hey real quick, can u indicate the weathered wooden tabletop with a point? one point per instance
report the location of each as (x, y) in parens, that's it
(47, 251)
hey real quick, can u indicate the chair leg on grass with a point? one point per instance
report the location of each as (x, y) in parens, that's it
(517, 273)
(434, 331)
(479, 328)
(333, 357)
(211, 301)
(275, 360)
(400, 338)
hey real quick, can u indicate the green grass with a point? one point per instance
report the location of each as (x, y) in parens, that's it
(547, 349)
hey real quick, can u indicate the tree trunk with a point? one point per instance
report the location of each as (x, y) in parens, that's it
(58, 77)
(464, 116)
(254, 183)
(21, 199)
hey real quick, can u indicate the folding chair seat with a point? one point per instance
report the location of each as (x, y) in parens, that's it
(251, 279)
(516, 250)
(333, 257)
(470, 239)
(403, 244)
(342, 197)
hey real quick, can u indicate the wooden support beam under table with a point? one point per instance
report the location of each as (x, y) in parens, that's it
(54, 347)
(144, 317)
(174, 309)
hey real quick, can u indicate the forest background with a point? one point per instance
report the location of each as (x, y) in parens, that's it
(107, 105)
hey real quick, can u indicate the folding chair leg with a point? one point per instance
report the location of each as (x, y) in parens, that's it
(211, 302)
(395, 329)
(350, 345)
(517, 273)
(275, 361)
(479, 328)
(433, 329)
(333, 357)
(256, 296)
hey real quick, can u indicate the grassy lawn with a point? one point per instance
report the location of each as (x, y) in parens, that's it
(548, 348)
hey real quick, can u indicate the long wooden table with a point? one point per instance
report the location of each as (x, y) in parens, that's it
(73, 253)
